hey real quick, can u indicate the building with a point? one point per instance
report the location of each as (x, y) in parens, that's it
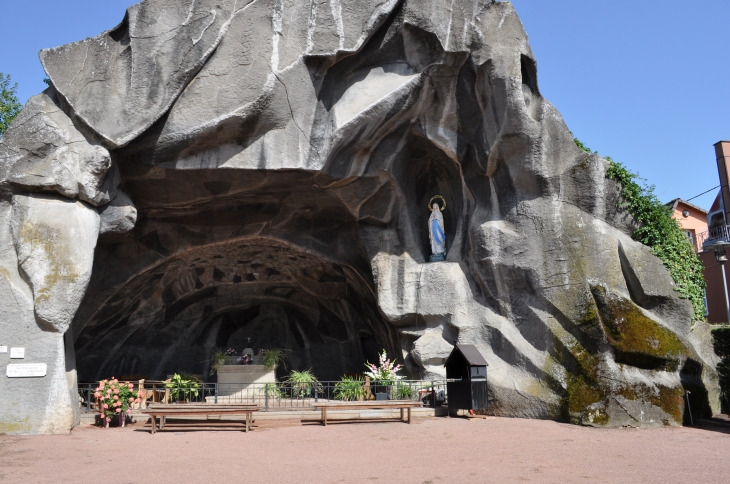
(716, 233)
(691, 218)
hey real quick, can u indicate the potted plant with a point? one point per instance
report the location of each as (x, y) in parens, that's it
(385, 375)
(272, 357)
(350, 389)
(183, 387)
(114, 398)
(273, 390)
(231, 357)
(217, 360)
(302, 383)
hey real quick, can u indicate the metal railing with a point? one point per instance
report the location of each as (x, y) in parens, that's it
(713, 236)
(277, 396)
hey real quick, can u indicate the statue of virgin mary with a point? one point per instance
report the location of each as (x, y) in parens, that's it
(437, 234)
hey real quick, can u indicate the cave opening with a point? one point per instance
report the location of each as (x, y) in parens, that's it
(171, 317)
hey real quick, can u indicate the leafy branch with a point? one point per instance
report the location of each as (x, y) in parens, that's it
(9, 104)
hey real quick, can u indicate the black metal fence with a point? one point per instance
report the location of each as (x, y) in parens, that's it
(277, 396)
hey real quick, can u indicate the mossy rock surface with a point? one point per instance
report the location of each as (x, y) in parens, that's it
(636, 339)
(621, 325)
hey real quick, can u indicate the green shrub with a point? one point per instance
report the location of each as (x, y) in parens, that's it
(663, 234)
(350, 389)
(183, 386)
(303, 383)
(273, 390)
(405, 391)
(217, 356)
(272, 357)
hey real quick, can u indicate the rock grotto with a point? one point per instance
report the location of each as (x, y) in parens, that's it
(211, 171)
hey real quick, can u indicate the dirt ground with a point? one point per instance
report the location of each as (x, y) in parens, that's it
(427, 451)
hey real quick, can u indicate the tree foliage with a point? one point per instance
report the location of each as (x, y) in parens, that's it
(658, 230)
(9, 104)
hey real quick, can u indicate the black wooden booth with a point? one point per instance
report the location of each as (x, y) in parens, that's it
(465, 363)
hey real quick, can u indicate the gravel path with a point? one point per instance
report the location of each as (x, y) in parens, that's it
(436, 450)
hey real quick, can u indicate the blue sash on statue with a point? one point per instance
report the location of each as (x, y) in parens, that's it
(438, 234)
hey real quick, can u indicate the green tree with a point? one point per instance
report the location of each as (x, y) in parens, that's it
(9, 104)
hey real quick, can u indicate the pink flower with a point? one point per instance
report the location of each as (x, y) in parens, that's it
(131, 399)
(108, 419)
(106, 406)
(116, 391)
(116, 397)
(119, 410)
(97, 394)
(129, 411)
(137, 401)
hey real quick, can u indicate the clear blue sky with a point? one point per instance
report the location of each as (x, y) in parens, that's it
(644, 81)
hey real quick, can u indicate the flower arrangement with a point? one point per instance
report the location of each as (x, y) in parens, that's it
(231, 352)
(386, 372)
(115, 398)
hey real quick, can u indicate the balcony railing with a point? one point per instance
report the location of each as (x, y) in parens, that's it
(713, 236)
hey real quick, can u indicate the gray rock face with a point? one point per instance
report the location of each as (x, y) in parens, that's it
(55, 241)
(269, 168)
(31, 405)
(43, 151)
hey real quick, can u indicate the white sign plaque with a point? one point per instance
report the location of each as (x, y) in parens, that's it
(17, 352)
(26, 370)
(3, 349)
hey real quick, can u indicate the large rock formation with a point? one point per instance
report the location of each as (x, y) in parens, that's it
(261, 169)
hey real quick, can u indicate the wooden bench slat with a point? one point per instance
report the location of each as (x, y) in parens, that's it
(201, 403)
(369, 405)
(366, 405)
(196, 427)
(198, 410)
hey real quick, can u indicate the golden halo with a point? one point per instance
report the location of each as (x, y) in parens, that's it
(443, 202)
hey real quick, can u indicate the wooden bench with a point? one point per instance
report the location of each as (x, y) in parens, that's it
(192, 409)
(403, 405)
